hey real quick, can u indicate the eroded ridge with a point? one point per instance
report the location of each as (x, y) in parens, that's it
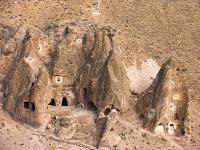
(68, 78)
(163, 106)
(42, 72)
(70, 81)
(102, 82)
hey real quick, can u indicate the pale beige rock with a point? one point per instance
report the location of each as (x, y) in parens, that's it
(141, 76)
(164, 104)
(38, 61)
(102, 81)
(62, 79)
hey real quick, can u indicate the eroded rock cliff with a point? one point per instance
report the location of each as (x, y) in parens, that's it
(68, 64)
(163, 106)
(69, 79)
(102, 81)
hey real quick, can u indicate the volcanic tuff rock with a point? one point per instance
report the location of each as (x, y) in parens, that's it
(70, 79)
(102, 81)
(68, 64)
(163, 106)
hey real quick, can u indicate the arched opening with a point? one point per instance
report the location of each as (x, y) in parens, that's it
(171, 128)
(64, 102)
(151, 113)
(26, 105)
(107, 111)
(172, 107)
(53, 102)
(159, 129)
(91, 106)
(58, 80)
(29, 105)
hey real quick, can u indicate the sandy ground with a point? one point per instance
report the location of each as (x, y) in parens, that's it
(144, 29)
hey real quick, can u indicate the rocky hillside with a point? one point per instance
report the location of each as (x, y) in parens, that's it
(145, 33)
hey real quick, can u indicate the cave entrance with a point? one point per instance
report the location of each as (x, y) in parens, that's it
(64, 101)
(58, 80)
(29, 105)
(52, 102)
(26, 105)
(91, 106)
(107, 111)
(171, 129)
(159, 129)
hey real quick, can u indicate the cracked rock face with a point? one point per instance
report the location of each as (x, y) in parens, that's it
(69, 78)
(163, 106)
(102, 81)
(68, 64)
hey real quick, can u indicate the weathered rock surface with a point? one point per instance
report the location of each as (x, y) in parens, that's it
(27, 79)
(68, 65)
(109, 139)
(70, 80)
(163, 106)
(44, 72)
(141, 76)
(102, 81)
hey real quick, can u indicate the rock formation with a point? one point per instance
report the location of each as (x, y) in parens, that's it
(110, 139)
(102, 82)
(61, 70)
(163, 106)
(69, 79)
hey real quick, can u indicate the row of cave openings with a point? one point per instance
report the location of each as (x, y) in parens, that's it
(31, 105)
(53, 102)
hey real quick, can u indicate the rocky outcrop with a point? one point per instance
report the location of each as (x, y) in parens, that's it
(102, 81)
(163, 106)
(27, 79)
(6, 33)
(31, 83)
(110, 139)
(70, 64)
(70, 80)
